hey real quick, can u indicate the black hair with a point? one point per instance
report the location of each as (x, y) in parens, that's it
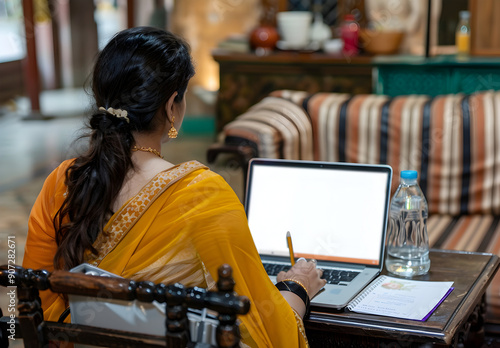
(138, 71)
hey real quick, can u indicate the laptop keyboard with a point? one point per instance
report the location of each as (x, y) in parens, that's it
(332, 276)
(335, 276)
(273, 269)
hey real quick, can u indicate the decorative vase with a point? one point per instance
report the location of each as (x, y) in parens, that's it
(263, 39)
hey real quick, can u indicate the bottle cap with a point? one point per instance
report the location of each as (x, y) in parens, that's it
(464, 14)
(408, 174)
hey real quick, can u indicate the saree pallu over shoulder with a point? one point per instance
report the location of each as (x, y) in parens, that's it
(124, 220)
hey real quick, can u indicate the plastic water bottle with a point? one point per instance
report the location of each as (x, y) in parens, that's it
(407, 241)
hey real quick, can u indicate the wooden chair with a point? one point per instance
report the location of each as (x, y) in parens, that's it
(36, 332)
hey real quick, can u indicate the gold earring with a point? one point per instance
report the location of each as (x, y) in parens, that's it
(172, 133)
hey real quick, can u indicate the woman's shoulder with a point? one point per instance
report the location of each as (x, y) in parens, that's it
(52, 193)
(193, 174)
(66, 164)
(58, 174)
(202, 186)
(188, 171)
(62, 167)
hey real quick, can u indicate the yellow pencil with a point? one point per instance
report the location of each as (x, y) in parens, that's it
(290, 247)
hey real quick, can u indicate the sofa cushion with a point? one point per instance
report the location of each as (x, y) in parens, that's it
(275, 127)
(451, 140)
(261, 136)
(297, 120)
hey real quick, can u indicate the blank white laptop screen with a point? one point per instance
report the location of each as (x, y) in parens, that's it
(332, 214)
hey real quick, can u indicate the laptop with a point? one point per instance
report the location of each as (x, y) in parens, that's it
(336, 213)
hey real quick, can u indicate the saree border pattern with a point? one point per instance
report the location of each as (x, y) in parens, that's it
(132, 211)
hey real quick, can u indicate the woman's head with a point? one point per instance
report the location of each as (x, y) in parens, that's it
(140, 73)
(139, 70)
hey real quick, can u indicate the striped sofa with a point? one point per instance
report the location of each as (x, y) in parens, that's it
(453, 141)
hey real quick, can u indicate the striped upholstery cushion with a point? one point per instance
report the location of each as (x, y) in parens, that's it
(265, 138)
(276, 127)
(298, 122)
(451, 140)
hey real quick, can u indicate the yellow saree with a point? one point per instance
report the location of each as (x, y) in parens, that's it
(181, 227)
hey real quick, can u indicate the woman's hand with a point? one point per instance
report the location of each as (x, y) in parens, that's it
(307, 274)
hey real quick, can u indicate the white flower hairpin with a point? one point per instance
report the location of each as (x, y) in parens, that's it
(117, 113)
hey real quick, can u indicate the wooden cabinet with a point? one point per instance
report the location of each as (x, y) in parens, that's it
(246, 78)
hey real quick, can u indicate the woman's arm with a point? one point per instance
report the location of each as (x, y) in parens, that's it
(305, 275)
(221, 235)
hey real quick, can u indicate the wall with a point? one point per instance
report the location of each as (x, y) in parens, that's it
(203, 23)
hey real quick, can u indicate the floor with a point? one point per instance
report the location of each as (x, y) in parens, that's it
(30, 149)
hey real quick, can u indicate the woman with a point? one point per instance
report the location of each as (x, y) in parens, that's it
(122, 207)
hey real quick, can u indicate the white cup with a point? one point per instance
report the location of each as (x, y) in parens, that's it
(294, 27)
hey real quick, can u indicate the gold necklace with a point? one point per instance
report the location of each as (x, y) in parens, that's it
(147, 149)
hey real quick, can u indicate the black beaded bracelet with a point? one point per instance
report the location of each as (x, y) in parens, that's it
(288, 285)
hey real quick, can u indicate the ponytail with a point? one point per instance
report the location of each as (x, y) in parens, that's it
(93, 181)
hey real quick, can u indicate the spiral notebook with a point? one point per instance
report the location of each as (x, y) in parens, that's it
(401, 298)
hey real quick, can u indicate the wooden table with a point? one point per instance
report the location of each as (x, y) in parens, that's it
(457, 320)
